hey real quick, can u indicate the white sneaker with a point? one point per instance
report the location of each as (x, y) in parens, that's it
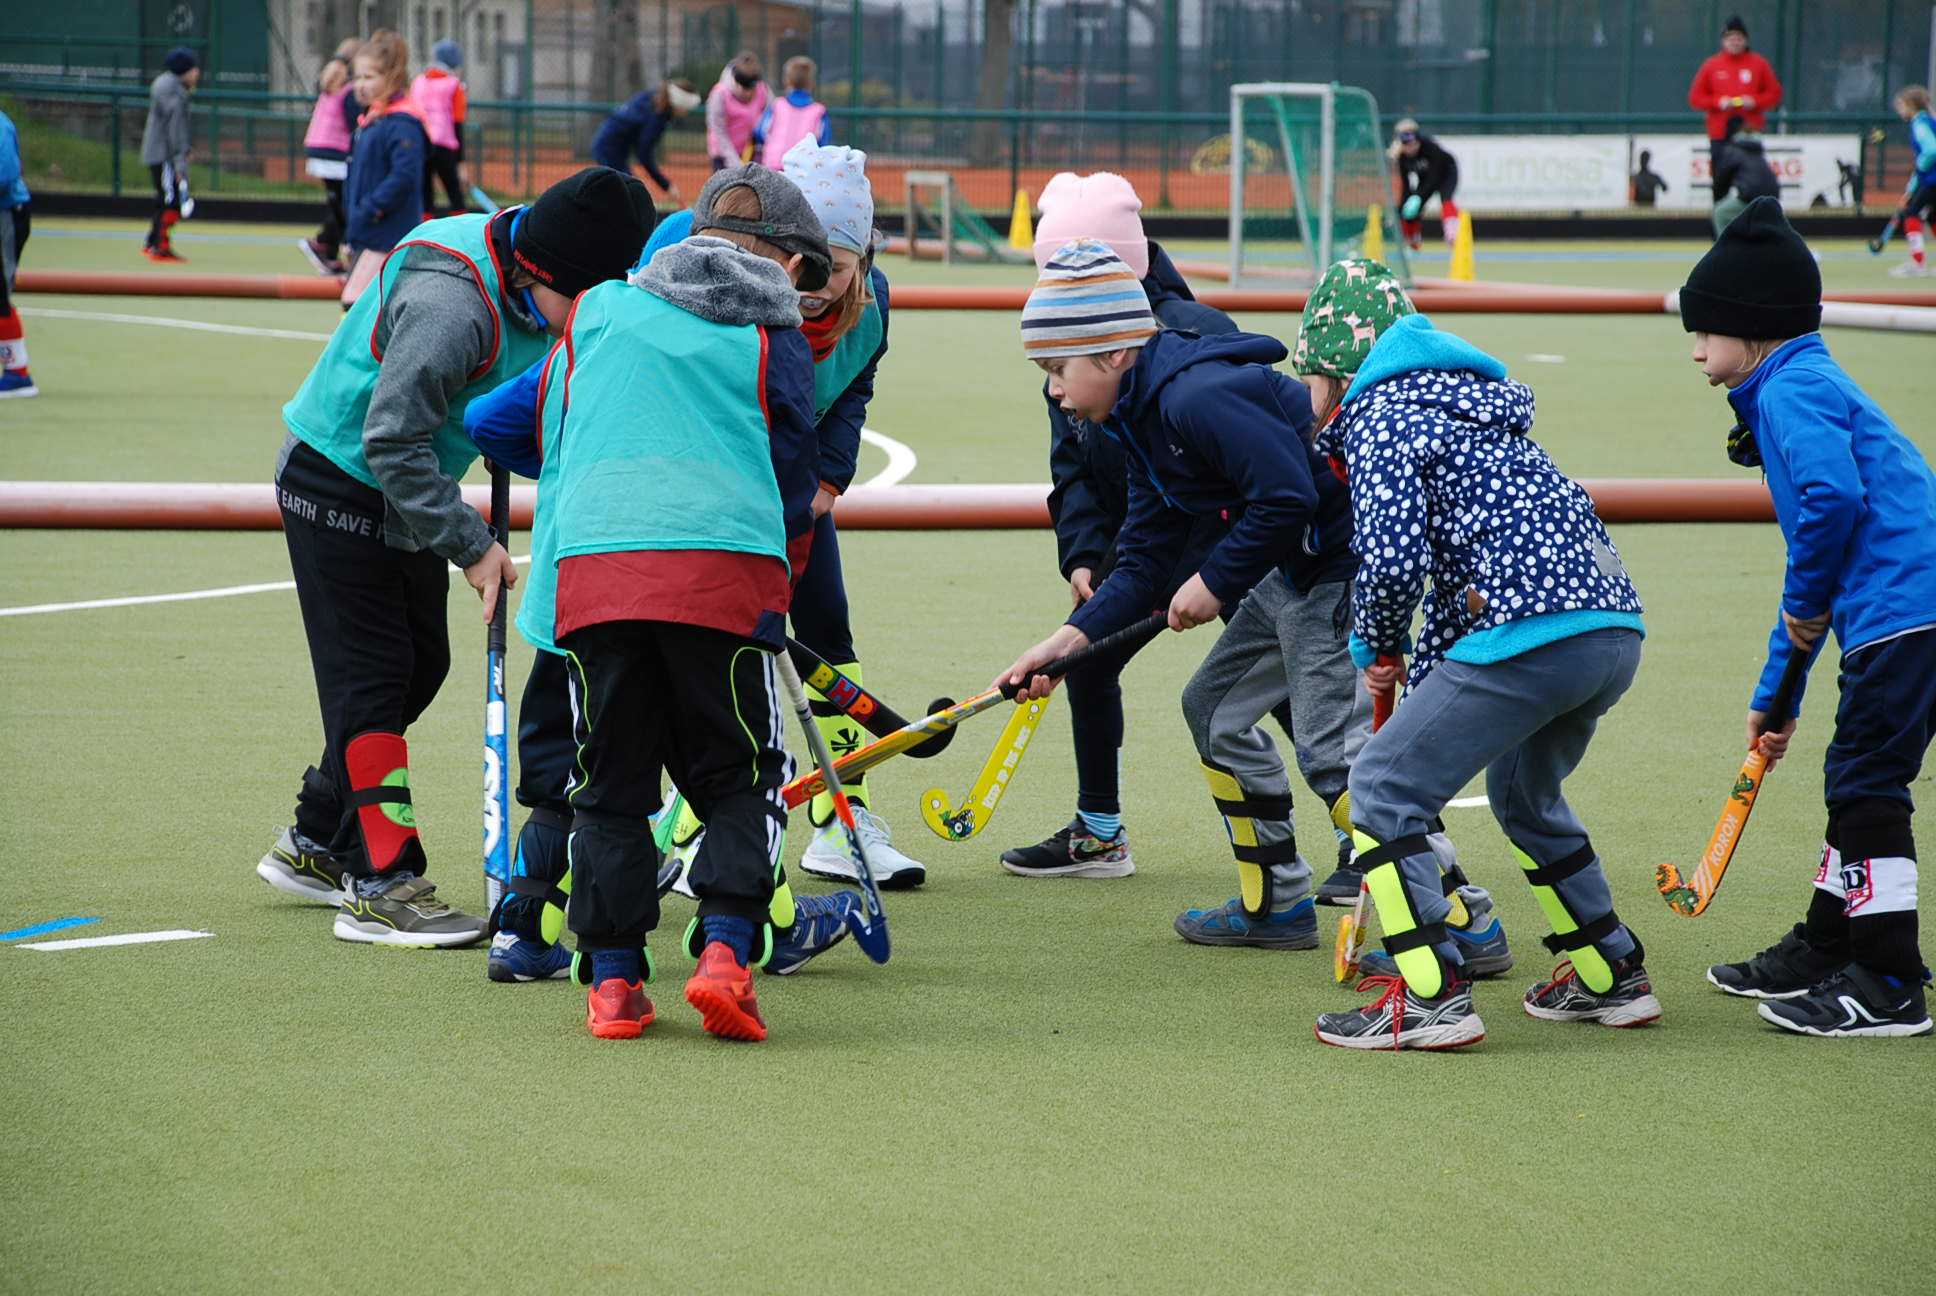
(827, 855)
(1908, 270)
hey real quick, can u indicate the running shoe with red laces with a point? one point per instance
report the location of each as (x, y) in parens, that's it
(1630, 1002)
(722, 991)
(1401, 1018)
(618, 1009)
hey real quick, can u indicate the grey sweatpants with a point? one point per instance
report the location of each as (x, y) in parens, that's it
(1526, 722)
(1282, 645)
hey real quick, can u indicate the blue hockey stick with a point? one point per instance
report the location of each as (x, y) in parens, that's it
(870, 925)
(497, 790)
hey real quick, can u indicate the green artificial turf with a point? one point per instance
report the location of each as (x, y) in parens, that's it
(1045, 1089)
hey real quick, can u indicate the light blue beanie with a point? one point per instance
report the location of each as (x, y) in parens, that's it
(834, 179)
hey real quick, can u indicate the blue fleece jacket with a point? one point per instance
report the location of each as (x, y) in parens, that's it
(635, 127)
(1922, 138)
(383, 197)
(1856, 501)
(13, 188)
(1447, 483)
(1209, 426)
(1089, 496)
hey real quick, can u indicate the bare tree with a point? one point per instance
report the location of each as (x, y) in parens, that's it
(617, 73)
(998, 43)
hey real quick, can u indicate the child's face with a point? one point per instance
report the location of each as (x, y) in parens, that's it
(554, 305)
(1723, 359)
(193, 78)
(1086, 386)
(1903, 110)
(369, 81)
(813, 305)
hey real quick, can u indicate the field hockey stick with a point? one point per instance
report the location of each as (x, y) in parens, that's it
(497, 791)
(959, 825)
(1689, 898)
(482, 200)
(1881, 240)
(802, 789)
(872, 714)
(870, 925)
(1354, 928)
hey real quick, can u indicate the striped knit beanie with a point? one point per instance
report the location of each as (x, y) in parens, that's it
(1087, 301)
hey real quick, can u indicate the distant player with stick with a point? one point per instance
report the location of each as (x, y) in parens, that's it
(1857, 505)
(1531, 633)
(1919, 196)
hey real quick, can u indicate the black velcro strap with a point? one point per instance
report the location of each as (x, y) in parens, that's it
(1591, 934)
(1255, 807)
(543, 890)
(1429, 934)
(824, 710)
(1556, 873)
(1453, 879)
(545, 817)
(1392, 851)
(1279, 853)
(386, 794)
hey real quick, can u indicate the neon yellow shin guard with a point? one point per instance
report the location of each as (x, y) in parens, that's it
(844, 736)
(1241, 812)
(1570, 936)
(1407, 939)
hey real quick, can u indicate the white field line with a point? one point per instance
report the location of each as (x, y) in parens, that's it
(127, 938)
(1466, 803)
(164, 321)
(185, 596)
(900, 458)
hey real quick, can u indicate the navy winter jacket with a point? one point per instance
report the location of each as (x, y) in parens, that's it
(383, 197)
(1209, 426)
(1855, 499)
(1446, 484)
(636, 126)
(1090, 495)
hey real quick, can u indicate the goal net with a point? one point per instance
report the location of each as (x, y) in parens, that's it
(1308, 176)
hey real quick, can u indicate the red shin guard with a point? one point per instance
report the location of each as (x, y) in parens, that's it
(379, 770)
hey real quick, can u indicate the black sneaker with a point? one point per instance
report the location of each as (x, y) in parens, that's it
(1073, 851)
(1341, 888)
(1401, 1019)
(1631, 1002)
(407, 912)
(313, 875)
(1782, 971)
(1854, 1001)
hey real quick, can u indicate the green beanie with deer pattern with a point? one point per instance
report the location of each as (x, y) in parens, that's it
(1352, 306)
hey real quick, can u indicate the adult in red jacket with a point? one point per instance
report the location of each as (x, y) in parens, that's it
(1736, 81)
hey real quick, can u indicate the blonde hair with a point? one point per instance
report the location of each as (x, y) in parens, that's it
(1915, 97)
(742, 202)
(1758, 349)
(748, 62)
(798, 72)
(853, 303)
(389, 56)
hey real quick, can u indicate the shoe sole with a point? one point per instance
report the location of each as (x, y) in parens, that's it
(899, 880)
(295, 884)
(504, 976)
(347, 929)
(621, 1027)
(309, 253)
(1428, 1039)
(19, 393)
(721, 1015)
(1746, 992)
(1122, 868)
(1271, 943)
(1637, 1013)
(1885, 1030)
(1343, 899)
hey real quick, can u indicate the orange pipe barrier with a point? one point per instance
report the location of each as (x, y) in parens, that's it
(246, 506)
(137, 284)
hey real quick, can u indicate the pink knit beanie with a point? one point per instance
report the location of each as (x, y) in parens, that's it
(1099, 206)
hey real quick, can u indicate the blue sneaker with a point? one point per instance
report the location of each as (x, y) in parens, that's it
(1295, 929)
(517, 958)
(819, 924)
(17, 384)
(1483, 945)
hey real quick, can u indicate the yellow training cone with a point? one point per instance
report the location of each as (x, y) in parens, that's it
(1374, 244)
(1462, 265)
(1021, 226)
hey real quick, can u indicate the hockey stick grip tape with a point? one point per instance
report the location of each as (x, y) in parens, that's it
(1782, 705)
(1137, 634)
(501, 532)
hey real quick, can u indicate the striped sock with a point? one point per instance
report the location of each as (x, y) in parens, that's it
(1106, 827)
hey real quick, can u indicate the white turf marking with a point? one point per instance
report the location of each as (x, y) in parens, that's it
(185, 596)
(900, 458)
(1543, 357)
(163, 321)
(1466, 803)
(127, 938)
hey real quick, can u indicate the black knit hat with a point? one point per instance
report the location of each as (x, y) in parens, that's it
(1759, 280)
(180, 60)
(1734, 23)
(585, 229)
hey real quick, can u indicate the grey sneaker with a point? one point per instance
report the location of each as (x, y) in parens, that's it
(312, 875)
(1228, 924)
(406, 913)
(1631, 1002)
(1401, 1019)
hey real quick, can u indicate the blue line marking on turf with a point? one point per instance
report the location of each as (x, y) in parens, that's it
(42, 929)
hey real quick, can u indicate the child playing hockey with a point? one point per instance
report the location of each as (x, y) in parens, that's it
(1919, 197)
(1531, 633)
(1857, 507)
(1210, 427)
(1087, 503)
(1425, 171)
(371, 511)
(165, 145)
(15, 221)
(663, 526)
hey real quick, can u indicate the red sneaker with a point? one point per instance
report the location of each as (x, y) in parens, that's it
(618, 1009)
(722, 991)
